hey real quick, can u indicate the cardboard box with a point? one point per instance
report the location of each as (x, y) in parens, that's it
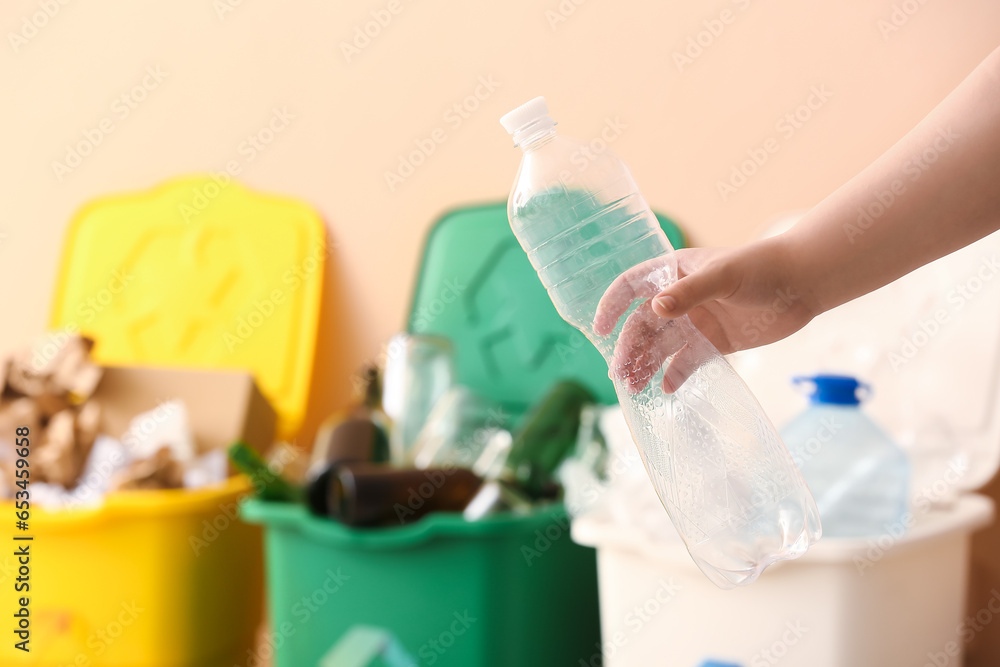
(222, 406)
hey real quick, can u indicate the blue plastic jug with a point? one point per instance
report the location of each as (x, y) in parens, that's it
(857, 474)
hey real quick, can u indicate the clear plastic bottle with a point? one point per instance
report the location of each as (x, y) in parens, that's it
(858, 475)
(718, 466)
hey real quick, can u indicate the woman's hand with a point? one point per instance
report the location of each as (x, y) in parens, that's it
(738, 298)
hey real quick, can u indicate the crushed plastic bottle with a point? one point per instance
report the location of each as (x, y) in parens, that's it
(717, 464)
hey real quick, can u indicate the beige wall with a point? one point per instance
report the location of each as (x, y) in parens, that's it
(606, 62)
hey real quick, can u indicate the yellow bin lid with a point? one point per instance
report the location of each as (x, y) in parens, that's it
(199, 273)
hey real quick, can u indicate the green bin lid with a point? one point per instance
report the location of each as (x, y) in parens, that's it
(477, 288)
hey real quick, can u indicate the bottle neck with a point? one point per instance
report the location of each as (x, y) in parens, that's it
(369, 388)
(535, 134)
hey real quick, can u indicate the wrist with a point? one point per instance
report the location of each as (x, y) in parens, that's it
(799, 271)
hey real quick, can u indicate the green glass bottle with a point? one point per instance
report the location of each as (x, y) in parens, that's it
(547, 434)
(268, 484)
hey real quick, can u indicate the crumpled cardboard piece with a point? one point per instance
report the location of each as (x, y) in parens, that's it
(87, 426)
(166, 425)
(15, 413)
(161, 471)
(57, 458)
(75, 373)
(222, 406)
(169, 421)
(40, 387)
(56, 367)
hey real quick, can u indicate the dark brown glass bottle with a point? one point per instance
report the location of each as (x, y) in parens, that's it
(357, 434)
(370, 494)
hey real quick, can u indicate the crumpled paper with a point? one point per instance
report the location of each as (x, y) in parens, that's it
(48, 388)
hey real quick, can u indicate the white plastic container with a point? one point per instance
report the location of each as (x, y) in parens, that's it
(845, 603)
(894, 601)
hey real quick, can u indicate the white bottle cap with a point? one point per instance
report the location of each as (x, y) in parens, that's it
(529, 112)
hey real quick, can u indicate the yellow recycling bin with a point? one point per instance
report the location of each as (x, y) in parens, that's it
(196, 273)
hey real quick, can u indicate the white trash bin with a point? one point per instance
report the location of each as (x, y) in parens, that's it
(846, 603)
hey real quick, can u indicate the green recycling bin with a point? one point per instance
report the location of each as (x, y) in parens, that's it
(508, 590)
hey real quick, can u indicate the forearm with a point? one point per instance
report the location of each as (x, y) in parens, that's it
(935, 191)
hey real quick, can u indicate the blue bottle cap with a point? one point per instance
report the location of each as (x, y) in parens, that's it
(835, 389)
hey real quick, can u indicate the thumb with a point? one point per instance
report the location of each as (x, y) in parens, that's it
(705, 284)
